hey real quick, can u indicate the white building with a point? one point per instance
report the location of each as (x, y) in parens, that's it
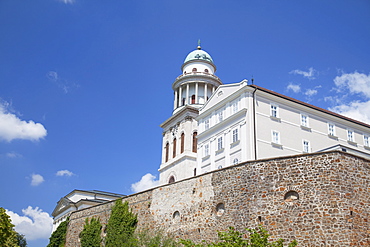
(79, 199)
(215, 125)
(191, 90)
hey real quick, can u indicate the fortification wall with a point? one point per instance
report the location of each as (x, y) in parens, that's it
(320, 199)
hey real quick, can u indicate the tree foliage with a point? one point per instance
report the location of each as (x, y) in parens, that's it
(121, 226)
(58, 237)
(91, 234)
(8, 236)
(21, 240)
(150, 238)
(232, 238)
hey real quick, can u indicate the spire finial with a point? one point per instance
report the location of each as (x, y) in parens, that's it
(199, 48)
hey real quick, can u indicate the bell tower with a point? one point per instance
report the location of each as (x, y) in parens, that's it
(191, 90)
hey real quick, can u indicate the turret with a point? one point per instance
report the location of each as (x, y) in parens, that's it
(197, 81)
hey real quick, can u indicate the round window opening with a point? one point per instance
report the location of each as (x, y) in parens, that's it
(291, 196)
(220, 209)
(176, 215)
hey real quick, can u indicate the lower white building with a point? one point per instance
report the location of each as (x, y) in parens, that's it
(215, 125)
(79, 199)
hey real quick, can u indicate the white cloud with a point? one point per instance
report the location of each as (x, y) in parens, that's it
(66, 173)
(354, 82)
(355, 109)
(308, 74)
(35, 224)
(13, 155)
(294, 87)
(67, 1)
(350, 84)
(11, 127)
(310, 92)
(63, 84)
(146, 182)
(37, 179)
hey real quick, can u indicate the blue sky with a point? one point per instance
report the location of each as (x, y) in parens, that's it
(85, 84)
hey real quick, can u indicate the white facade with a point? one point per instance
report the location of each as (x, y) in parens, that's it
(257, 123)
(79, 199)
(240, 122)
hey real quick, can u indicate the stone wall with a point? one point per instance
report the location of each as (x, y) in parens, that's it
(320, 199)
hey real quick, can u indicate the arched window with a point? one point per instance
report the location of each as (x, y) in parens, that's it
(174, 148)
(194, 70)
(171, 180)
(182, 142)
(206, 70)
(195, 142)
(167, 150)
(193, 99)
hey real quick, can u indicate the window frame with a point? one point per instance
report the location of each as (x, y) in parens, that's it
(235, 106)
(366, 141)
(220, 143)
(206, 123)
(275, 137)
(206, 150)
(331, 129)
(306, 146)
(274, 110)
(350, 136)
(304, 120)
(220, 116)
(235, 135)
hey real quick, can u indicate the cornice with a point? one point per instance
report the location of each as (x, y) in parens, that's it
(186, 112)
(196, 77)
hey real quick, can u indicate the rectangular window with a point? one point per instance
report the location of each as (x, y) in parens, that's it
(366, 141)
(235, 106)
(206, 124)
(331, 129)
(235, 135)
(274, 111)
(219, 143)
(350, 136)
(304, 120)
(206, 150)
(306, 146)
(220, 117)
(275, 137)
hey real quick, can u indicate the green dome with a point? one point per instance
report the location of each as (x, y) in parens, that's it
(198, 55)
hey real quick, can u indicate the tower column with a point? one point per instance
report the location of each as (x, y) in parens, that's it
(187, 94)
(205, 93)
(180, 96)
(196, 93)
(175, 101)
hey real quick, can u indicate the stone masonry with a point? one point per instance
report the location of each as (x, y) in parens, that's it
(319, 199)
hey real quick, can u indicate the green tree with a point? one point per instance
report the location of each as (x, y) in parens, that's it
(91, 234)
(232, 238)
(58, 237)
(21, 240)
(121, 226)
(8, 237)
